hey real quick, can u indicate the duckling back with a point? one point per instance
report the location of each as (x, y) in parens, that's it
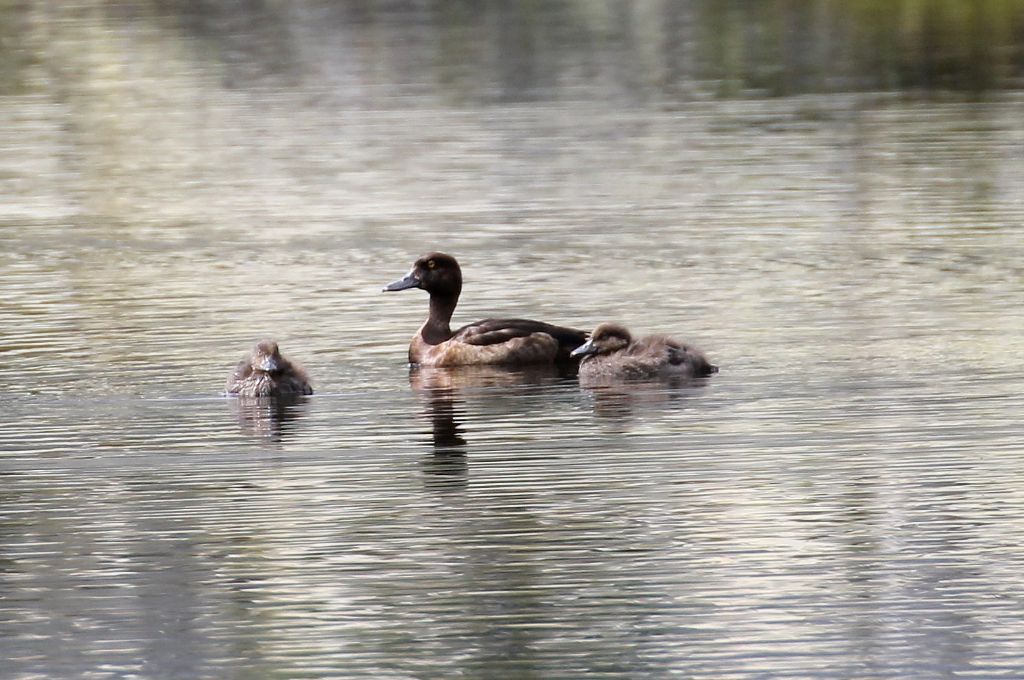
(667, 356)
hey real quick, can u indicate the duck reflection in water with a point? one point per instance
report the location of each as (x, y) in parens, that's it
(446, 391)
(269, 418)
(624, 403)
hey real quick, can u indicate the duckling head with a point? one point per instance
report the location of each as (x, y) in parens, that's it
(266, 357)
(606, 338)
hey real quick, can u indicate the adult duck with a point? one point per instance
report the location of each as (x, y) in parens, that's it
(491, 341)
(612, 353)
(265, 373)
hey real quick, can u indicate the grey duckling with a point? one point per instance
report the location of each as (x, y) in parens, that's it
(613, 353)
(265, 373)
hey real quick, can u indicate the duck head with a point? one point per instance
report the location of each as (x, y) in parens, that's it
(436, 273)
(266, 357)
(606, 338)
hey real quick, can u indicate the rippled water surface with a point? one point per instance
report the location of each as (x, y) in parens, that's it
(838, 227)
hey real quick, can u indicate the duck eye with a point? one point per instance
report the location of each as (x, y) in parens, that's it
(431, 264)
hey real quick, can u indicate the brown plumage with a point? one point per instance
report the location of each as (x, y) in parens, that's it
(491, 341)
(612, 353)
(265, 373)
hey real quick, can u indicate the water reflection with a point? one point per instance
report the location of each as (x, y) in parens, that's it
(515, 52)
(447, 466)
(441, 397)
(625, 400)
(445, 392)
(448, 394)
(270, 419)
(424, 379)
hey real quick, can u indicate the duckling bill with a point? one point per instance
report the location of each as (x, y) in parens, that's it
(490, 341)
(266, 373)
(613, 353)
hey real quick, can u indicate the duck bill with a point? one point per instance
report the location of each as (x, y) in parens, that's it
(269, 364)
(410, 280)
(583, 350)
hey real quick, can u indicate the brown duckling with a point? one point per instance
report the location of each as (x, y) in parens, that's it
(265, 373)
(612, 353)
(491, 341)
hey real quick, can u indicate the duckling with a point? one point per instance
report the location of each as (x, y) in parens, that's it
(513, 342)
(612, 353)
(265, 373)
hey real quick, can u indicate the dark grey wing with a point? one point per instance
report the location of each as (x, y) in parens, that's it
(699, 364)
(495, 331)
(295, 378)
(490, 332)
(677, 355)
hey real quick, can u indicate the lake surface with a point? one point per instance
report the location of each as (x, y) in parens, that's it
(829, 201)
